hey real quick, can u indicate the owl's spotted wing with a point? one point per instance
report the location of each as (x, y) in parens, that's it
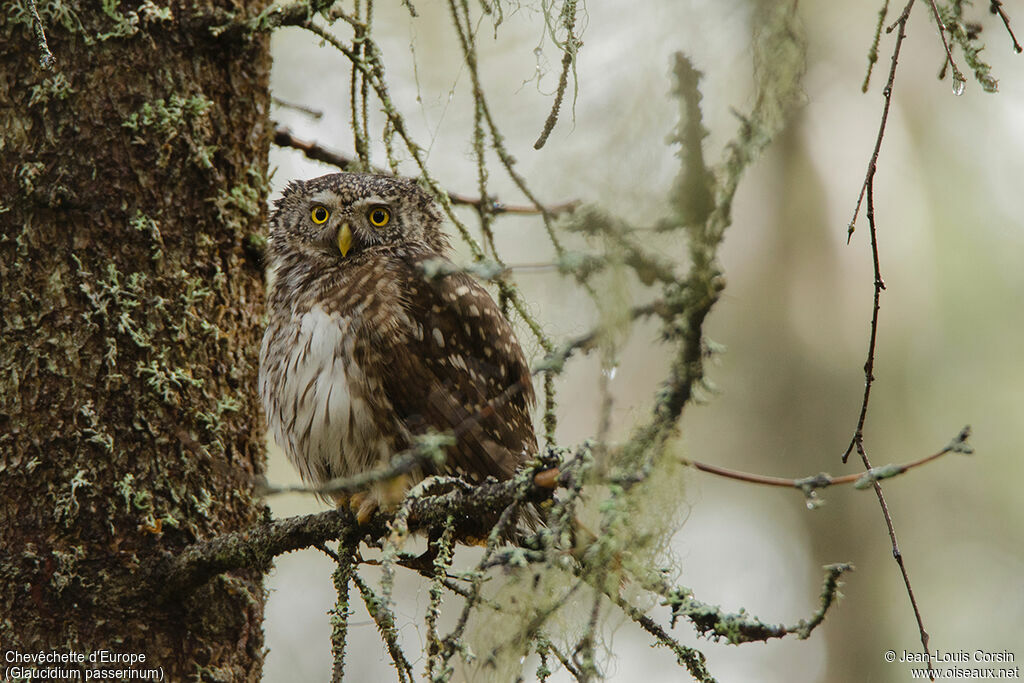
(460, 370)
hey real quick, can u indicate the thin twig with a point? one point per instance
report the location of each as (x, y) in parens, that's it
(996, 7)
(879, 285)
(898, 556)
(382, 615)
(822, 480)
(569, 48)
(314, 114)
(565, 662)
(887, 94)
(555, 360)
(858, 438)
(857, 442)
(453, 641)
(46, 58)
(957, 76)
(873, 52)
(445, 549)
(867, 190)
(405, 462)
(741, 627)
(340, 614)
(689, 657)
(583, 653)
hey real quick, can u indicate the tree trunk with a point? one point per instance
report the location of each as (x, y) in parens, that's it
(132, 179)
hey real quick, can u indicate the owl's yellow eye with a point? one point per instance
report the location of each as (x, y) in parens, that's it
(319, 215)
(379, 216)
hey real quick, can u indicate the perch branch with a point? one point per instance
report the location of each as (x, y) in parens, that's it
(257, 546)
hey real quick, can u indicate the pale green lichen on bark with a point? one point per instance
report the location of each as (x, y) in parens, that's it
(109, 470)
(161, 121)
(53, 13)
(52, 87)
(237, 206)
(126, 24)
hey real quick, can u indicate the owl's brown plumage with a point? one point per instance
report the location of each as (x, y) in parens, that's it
(363, 351)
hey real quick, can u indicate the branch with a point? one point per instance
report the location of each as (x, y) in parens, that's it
(996, 7)
(860, 480)
(867, 190)
(887, 94)
(46, 58)
(283, 137)
(293, 14)
(743, 628)
(339, 614)
(570, 47)
(473, 511)
(692, 658)
(958, 78)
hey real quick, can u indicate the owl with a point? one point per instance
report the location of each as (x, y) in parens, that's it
(363, 351)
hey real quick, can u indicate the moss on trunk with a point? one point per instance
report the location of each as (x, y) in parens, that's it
(132, 175)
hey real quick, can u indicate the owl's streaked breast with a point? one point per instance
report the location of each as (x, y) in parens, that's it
(317, 398)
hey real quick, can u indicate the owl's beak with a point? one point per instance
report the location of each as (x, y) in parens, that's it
(344, 239)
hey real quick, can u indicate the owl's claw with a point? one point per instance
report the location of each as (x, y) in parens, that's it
(363, 505)
(384, 495)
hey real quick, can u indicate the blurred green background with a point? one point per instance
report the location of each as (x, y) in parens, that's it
(794, 317)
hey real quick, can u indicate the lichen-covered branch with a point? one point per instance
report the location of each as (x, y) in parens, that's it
(741, 627)
(472, 512)
(340, 613)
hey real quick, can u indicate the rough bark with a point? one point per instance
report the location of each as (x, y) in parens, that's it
(132, 179)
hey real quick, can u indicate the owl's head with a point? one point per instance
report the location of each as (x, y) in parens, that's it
(342, 215)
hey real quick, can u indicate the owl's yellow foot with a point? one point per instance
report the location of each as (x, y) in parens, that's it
(384, 495)
(363, 505)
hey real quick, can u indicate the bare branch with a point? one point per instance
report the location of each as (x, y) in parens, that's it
(901, 23)
(283, 137)
(996, 7)
(860, 480)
